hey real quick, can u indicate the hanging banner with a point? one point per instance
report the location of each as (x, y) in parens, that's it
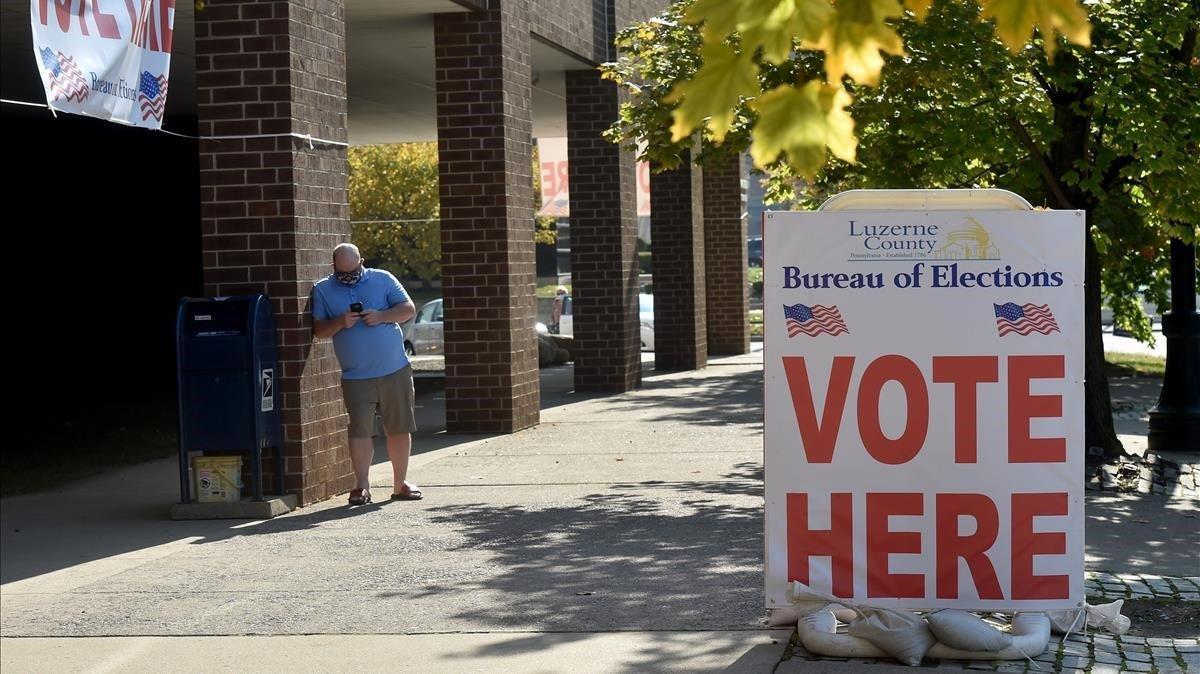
(924, 441)
(556, 198)
(104, 58)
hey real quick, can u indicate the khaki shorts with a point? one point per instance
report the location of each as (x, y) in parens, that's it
(391, 395)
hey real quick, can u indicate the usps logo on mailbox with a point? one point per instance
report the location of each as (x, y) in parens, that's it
(268, 389)
(924, 407)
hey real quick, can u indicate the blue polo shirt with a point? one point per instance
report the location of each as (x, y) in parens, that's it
(363, 352)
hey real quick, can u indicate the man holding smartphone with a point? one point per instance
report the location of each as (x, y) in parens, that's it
(362, 309)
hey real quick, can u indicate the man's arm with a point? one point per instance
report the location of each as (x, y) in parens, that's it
(400, 306)
(330, 327)
(326, 323)
(396, 314)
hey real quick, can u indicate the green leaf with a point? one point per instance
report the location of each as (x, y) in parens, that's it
(854, 40)
(779, 23)
(803, 122)
(720, 17)
(1016, 19)
(714, 93)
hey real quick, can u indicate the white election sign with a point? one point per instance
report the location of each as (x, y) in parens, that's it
(107, 59)
(924, 407)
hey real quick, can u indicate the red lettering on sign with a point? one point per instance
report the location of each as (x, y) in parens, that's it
(62, 12)
(149, 34)
(82, 23)
(965, 373)
(1026, 544)
(1023, 406)
(837, 542)
(106, 24)
(971, 548)
(882, 542)
(950, 545)
(166, 29)
(152, 30)
(548, 187)
(916, 426)
(819, 437)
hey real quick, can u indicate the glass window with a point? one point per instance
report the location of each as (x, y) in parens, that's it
(425, 315)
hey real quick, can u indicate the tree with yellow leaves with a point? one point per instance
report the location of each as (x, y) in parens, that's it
(1098, 111)
(741, 42)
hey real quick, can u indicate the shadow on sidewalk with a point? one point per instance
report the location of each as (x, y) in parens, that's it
(1142, 533)
(125, 510)
(732, 399)
(557, 388)
(608, 561)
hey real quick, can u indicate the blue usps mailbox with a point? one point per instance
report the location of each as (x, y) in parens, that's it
(226, 360)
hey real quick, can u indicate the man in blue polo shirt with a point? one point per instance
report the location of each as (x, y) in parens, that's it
(362, 309)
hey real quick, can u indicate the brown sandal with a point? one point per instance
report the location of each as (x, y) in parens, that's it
(410, 493)
(360, 497)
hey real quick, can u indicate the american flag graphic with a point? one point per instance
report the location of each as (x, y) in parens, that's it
(814, 320)
(66, 82)
(152, 94)
(1024, 319)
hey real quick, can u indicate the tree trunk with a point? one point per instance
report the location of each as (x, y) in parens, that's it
(1097, 407)
(1072, 116)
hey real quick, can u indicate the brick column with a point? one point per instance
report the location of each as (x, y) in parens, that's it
(604, 263)
(728, 296)
(485, 165)
(677, 242)
(272, 208)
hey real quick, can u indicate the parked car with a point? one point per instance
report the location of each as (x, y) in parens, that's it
(646, 318)
(754, 252)
(423, 335)
(566, 323)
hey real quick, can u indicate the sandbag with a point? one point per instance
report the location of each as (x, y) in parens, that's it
(790, 615)
(1101, 616)
(966, 631)
(901, 634)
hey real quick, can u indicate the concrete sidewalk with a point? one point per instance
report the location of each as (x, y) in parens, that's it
(622, 534)
(487, 653)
